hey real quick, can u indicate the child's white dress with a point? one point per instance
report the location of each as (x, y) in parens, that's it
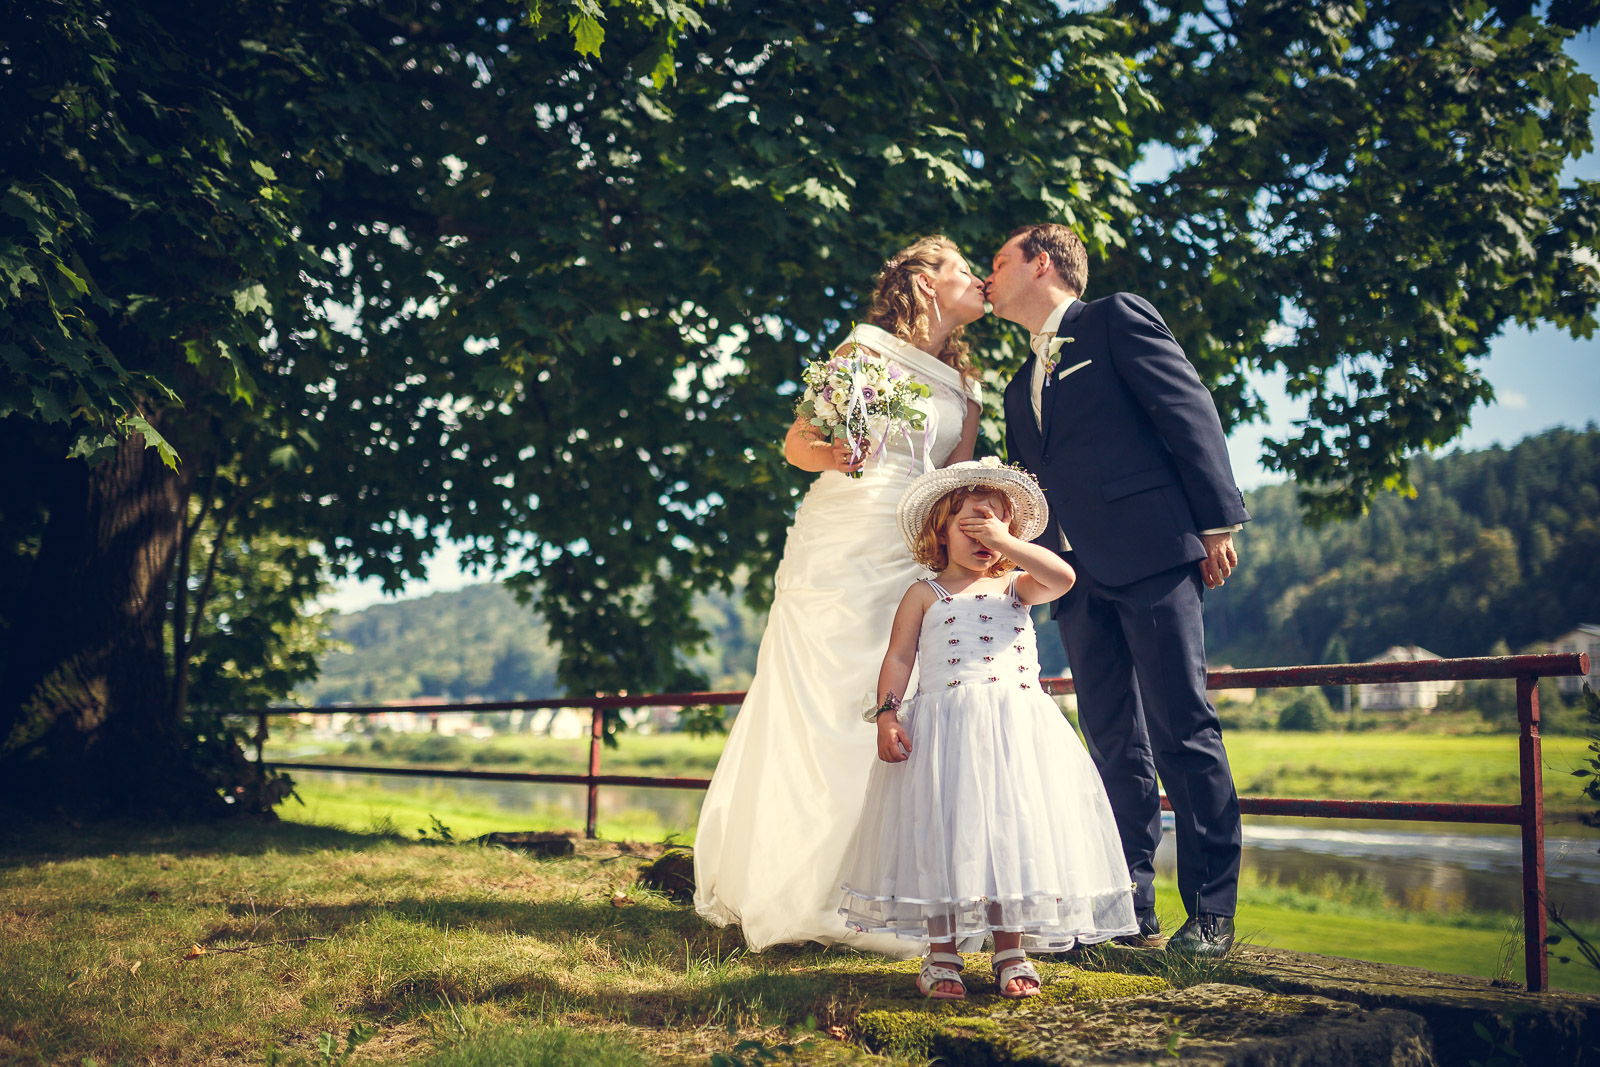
(998, 820)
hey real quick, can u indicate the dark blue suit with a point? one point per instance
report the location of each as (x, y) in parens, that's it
(1133, 462)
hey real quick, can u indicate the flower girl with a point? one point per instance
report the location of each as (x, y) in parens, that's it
(985, 813)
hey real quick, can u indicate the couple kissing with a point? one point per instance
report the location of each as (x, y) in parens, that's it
(1139, 503)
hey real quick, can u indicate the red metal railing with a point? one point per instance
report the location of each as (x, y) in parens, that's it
(1528, 813)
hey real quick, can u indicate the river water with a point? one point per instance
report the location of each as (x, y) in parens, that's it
(1439, 867)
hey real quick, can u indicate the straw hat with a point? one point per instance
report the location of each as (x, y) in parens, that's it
(1029, 512)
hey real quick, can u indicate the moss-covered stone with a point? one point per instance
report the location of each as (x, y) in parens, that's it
(960, 1039)
(1213, 1025)
(1553, 1027)
(672, 873)
(973, 1030)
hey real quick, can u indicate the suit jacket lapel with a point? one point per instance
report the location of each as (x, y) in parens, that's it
(1052, 390)
(1019, 408)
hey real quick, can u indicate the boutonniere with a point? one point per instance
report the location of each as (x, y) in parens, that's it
(1053, 352)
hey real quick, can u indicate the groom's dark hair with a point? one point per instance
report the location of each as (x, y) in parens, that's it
(1068, 257)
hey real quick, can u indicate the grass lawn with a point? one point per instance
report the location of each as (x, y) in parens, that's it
(1474, 768)
(269, 943)
(246, 943)
(1371, 765)
(372, 806)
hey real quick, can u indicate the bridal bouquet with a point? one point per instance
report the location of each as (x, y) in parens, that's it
(860, 398)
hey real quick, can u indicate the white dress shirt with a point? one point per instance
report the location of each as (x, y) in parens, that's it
(1040, 343)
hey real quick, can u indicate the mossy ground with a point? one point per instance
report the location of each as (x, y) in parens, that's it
(913, 1029)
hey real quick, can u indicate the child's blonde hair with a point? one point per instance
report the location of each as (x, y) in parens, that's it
(931, 551)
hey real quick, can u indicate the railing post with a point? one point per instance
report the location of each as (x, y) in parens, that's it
(261, 738)
(1534, 923)
(596, 732)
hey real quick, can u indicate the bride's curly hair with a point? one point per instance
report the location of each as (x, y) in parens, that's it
(897, 310)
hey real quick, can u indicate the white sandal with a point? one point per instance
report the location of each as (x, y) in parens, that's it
(941, 967)
(1018, 967)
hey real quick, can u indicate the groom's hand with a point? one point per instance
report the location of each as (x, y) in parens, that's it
(1220, 559)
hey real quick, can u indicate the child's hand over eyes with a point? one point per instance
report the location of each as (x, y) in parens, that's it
(985, 527)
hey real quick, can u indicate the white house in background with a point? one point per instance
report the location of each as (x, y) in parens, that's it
(1586, 638)
(561, 724)
(1400, 696)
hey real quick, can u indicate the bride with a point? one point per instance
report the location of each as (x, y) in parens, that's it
(788, 790)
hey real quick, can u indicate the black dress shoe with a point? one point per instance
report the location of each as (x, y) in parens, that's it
(1149, 934)
(1203, 935)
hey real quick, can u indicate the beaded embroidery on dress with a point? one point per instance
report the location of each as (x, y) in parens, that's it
(998, 819)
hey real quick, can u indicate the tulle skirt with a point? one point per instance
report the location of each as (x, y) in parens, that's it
(997, 821)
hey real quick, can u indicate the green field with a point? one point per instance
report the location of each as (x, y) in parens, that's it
(1375, 765)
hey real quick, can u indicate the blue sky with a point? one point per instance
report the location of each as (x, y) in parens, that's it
(1542, 379)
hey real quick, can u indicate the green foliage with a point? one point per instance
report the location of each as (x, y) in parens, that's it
(329, 1053)
(1501, 545)
(1308, 711)
(217, 744)
(1591, 773)
(1587, 950)
(256, 639)
(752, 1053)
(1384, 179)
(538, 277)
(1493, 698)
(1501, 1042)
(436, 831)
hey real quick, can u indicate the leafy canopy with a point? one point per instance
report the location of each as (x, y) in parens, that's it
(454, 277)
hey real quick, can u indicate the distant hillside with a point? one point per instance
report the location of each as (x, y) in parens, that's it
(1500, 546)
(479, 643)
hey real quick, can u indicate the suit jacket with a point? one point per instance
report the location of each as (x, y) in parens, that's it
(1132, 457)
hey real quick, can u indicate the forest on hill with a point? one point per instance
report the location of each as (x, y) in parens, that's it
(478, 643)
(1498, 549)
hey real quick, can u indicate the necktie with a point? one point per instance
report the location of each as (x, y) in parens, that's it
(1040, 343)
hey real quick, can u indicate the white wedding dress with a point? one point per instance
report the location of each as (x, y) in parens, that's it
(787, 793)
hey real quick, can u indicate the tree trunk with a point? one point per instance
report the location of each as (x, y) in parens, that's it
(86, 718)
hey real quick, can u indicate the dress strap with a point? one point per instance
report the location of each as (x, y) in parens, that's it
(937, 588)
(1011, 590)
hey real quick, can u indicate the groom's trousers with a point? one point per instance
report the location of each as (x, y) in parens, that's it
(1137, 654)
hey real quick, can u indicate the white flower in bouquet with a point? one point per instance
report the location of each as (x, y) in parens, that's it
(861, 398)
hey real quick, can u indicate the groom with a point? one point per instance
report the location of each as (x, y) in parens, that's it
(1126, 443)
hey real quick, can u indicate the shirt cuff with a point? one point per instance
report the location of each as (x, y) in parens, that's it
(1235, 528)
